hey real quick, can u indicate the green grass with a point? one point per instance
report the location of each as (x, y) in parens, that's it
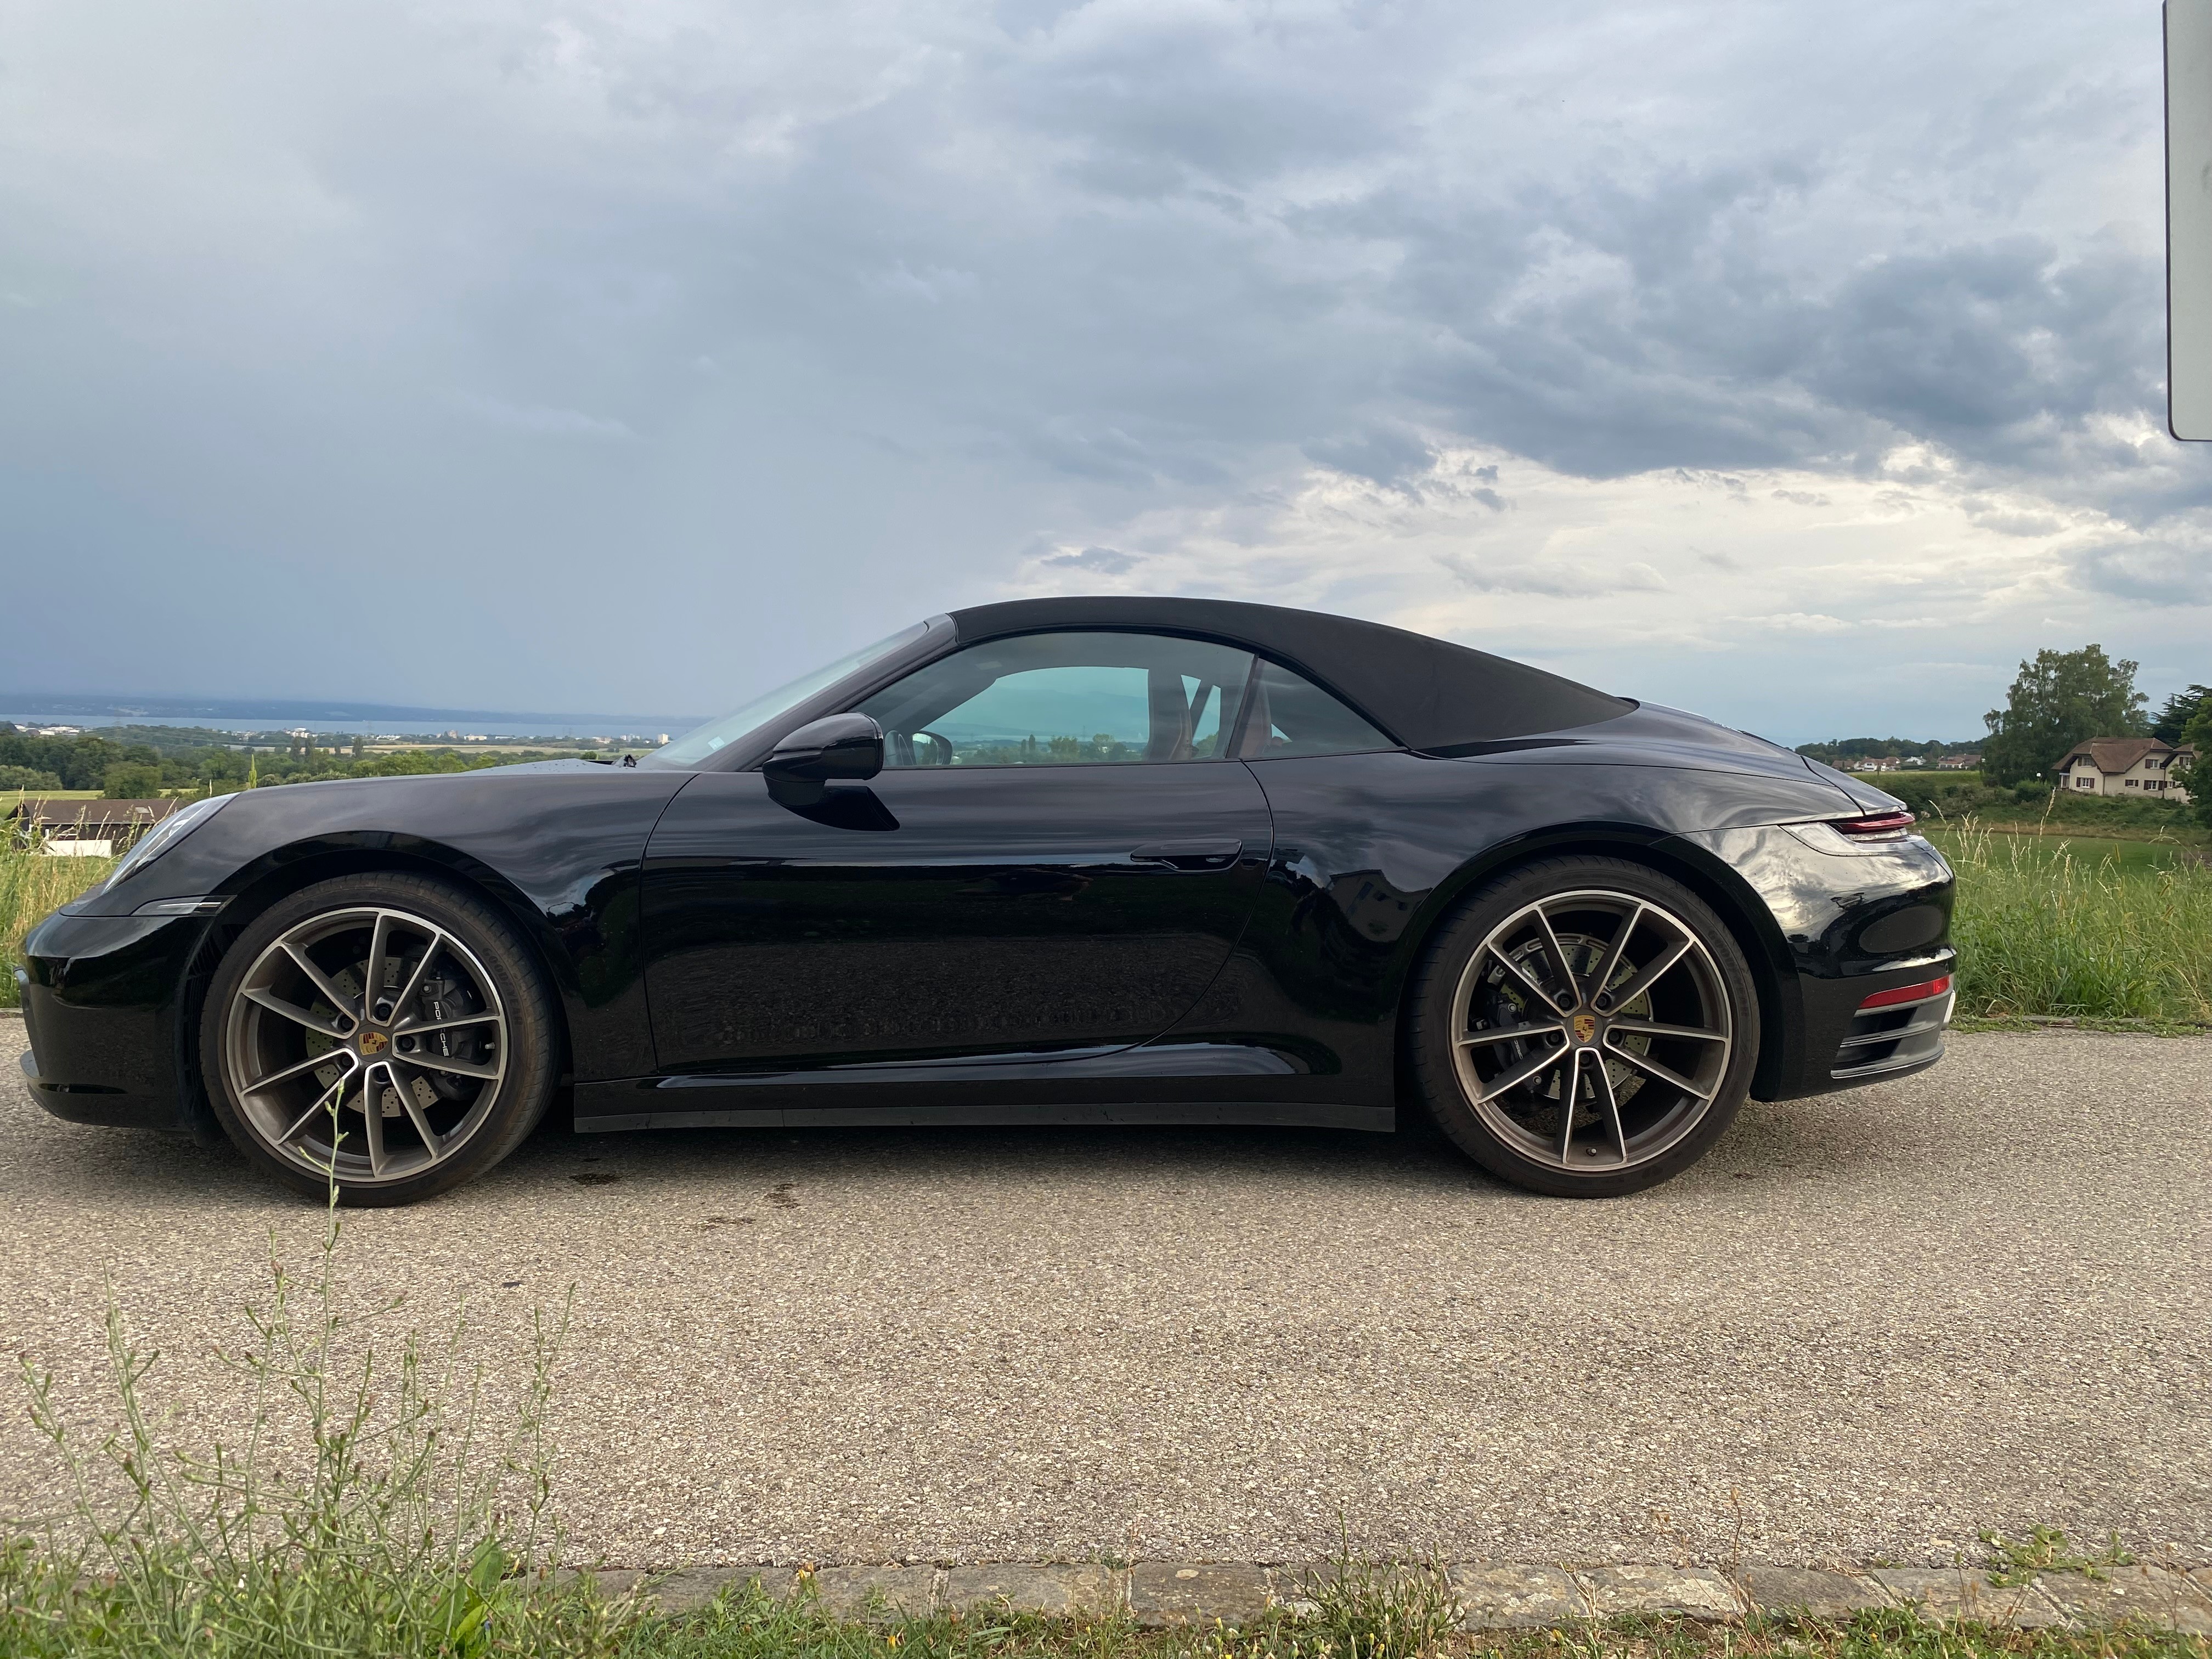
(2049, 928)
(2050, 847)
(31, 884)
(1926, 775)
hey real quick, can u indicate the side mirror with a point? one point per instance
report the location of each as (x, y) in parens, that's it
(839, 747)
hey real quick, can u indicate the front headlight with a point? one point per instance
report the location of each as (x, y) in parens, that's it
(162, 837)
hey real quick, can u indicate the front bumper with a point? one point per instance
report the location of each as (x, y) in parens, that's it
(101, 998)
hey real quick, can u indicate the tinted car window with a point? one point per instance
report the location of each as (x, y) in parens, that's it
(1069, 699)
(1292, 715)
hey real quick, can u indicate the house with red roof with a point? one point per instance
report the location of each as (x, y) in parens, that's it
(2136, 768)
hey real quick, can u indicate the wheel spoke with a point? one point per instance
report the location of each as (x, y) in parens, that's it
(434, 943)
(379, 944)
(325, 1104)
(1665, 1075)
(1618, 949)
(297, 1015)
(1521, 1074)
(321, 980)
(1522, 973)
(1652, 970)
(417, 1027)
(459, 1068)
(1509, 1033)
(1574, 1087)
(1558, 956)
(372, 1114)
(406, 1088)
(312, 1062)
(1652, 1028)
(1612, 1106)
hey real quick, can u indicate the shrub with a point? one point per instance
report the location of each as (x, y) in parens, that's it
(130, 780)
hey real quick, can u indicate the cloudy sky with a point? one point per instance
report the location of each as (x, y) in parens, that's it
(1798, 364)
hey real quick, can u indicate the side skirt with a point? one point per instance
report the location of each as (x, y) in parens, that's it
(593, 1116)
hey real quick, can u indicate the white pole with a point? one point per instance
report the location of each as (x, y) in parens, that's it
(2189, 218)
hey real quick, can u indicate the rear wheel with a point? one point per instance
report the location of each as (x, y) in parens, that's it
(1584, 1027)
(386, 1029)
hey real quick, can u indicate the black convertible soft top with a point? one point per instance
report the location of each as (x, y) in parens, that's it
(1427, 693)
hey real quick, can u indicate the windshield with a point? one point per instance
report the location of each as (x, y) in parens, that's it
(697, 743)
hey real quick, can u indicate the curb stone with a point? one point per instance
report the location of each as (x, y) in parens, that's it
(1815, 1590)
(2140, 1592)
(868, 1592)
(1045, 1590)
(1489, 1595)
(1955, 1593)
(1687, 1592)
(1493, 1596)
(1167, 1593)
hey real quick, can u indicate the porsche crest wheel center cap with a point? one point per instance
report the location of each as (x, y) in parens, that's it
(373, 1043)
(1585, 1028)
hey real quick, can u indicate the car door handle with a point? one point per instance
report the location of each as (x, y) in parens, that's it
(1218, 855)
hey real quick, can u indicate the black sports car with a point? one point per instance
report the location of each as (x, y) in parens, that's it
(1081, 860)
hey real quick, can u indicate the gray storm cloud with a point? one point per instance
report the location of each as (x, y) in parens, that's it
(630, 356)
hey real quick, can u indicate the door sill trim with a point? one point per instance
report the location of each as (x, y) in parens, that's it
(1379, 1120)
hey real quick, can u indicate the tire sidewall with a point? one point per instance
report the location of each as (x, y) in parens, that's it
(1431, 1035)
(524, 1092)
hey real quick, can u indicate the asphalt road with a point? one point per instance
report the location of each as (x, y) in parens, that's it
(1864, 1328)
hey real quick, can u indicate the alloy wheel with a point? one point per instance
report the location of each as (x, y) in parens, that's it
(366, 1041)
(1591, 1031)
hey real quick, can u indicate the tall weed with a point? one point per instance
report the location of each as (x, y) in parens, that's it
(2045, 929)
(368, 1506)
(31, 883)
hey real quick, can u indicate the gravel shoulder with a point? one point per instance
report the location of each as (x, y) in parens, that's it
(1865, 1327)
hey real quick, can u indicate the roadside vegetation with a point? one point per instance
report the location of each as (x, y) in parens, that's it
(31, 884)
(2051, 927)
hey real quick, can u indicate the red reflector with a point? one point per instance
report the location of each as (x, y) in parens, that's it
(1875, 826)
(1922, 993)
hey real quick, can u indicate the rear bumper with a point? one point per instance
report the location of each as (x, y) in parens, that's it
(1848, 1045)
(99, 997)
(1843, 928)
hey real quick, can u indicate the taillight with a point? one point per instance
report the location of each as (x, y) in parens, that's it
(1875, 826)
(1926, 991)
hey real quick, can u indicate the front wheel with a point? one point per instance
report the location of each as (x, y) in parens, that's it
(386, 1031)
(1584, 1027)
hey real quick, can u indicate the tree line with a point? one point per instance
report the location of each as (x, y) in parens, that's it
(2061, 699)
(32, 762)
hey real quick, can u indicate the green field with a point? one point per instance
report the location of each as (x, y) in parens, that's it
(2008, 842)
(1890, 780)
(2093, 929)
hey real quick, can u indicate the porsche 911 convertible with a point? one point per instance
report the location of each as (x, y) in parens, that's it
(1074, 860)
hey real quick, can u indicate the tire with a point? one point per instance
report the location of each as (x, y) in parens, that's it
(1657, 1074)
(466, 1030)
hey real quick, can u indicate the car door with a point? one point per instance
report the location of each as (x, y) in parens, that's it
(1057, 857)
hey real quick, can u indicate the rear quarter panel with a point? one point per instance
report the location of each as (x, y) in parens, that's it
(1371, 851)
